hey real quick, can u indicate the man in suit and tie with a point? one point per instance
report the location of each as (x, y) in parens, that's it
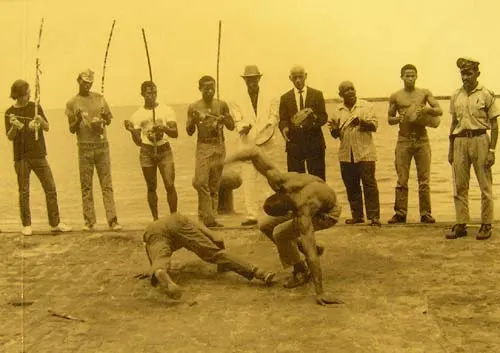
(302, 112)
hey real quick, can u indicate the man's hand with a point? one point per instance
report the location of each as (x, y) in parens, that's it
(450, 156)
(490, 159)
(15, 122)
(129, 126)
(324, 300)
(285, 134)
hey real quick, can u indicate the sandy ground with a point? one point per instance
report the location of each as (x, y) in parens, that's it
(405, 288)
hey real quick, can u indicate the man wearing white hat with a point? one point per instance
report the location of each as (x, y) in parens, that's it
(88, 115)
(256, 117)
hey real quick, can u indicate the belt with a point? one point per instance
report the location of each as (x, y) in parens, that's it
(159, 149)
(413, 134)
(212, 140)
(470, 133)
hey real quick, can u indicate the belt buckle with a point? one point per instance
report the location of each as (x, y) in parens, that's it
(469, 133)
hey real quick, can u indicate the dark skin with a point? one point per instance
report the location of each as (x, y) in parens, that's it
(310, 195)
(150, 95)
(470, 82)
(84, 91)
(348, 94)
(207, 90)
(409, 77)
(252, 83)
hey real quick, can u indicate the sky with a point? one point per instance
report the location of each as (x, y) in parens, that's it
(366, 42)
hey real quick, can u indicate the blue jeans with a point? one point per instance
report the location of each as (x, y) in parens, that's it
(418, 148)
(96, 155)
(42, 170)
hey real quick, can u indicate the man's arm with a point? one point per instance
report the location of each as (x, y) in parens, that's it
(106, 112)
(171, 129)
(214, 238)
(319, 111)
(42, 119)
(192, 118)
(74, 118)
(227, 119)
(453, 125)
(240, 124)
(368, 120)
(393, 109)
(134, 133)
(434, 109)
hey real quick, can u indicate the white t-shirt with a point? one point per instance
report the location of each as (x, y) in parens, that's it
(143, 120)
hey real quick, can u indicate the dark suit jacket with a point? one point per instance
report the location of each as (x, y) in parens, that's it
(304, 142)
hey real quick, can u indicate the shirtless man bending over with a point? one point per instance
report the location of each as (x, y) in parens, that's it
(302, 204)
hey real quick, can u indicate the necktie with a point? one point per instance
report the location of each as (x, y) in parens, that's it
(301, 102)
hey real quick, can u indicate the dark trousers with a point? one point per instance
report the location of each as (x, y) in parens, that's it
(353, 174)
(42, 170)
(315, 164)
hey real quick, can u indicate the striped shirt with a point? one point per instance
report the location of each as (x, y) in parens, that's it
(354, 142)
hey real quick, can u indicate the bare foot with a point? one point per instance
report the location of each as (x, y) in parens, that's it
(168, 285)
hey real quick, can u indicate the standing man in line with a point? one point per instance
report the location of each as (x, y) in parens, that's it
(208, 116)
(473, 111)
(354, 123)
(30, 155)
(302, 113)
(255, 115)
(408, 108)
(88, 115)
(153, 139)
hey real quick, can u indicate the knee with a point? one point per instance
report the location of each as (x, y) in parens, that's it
(266, 229)
(198, 184)
(170, 187)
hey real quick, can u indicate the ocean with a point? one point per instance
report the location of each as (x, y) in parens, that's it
(130, 188)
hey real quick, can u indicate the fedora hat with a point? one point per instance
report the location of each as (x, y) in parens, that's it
(251, 71)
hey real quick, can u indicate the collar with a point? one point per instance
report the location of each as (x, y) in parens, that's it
(479, 87)
(296, 91)
(358, 104)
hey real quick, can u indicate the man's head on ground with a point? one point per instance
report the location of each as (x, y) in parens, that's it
(279, 204)
(469, 71)
(206, 85)
(20, 91)
(347, 92)
(409, 75)
(85, 81)
(298, 76)
(149, 93)
(252, 76)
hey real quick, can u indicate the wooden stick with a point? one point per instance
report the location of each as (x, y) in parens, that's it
(104, 68)
(37, 77)
(218, 56)
(151, 79)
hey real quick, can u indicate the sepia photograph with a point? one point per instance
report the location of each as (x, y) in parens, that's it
(249, 176)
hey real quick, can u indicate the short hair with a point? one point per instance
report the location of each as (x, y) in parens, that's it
(18, 89)
(204, 79)
(408, 67)
(279, 204)
(147, 84)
